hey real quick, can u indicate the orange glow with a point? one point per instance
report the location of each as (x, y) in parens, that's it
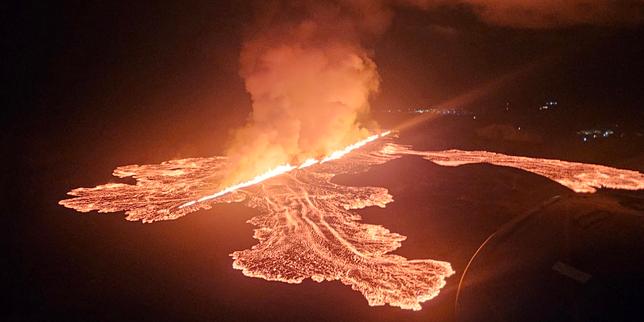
(272, 173)
(287, 168)
(307, 227)
(579, 177)
(340, 153)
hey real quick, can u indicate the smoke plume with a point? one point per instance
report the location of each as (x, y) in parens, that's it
(310, 74)
(310, 78)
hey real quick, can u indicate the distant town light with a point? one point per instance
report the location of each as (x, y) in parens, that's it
(595, 133)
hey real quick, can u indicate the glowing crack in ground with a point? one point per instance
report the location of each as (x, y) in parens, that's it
(306, 228)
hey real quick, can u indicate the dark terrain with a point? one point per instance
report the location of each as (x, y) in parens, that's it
(69, 266)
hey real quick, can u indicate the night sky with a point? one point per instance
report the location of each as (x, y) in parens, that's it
(178, 64)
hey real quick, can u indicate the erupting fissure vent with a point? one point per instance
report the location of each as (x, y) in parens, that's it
(306, 227)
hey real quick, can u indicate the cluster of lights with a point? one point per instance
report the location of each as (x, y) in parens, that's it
(548, 105)
(440, 111)
(595, 133)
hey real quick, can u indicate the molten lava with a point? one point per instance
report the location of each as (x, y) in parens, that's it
(306, 227)
(579, 177)
(284, 168)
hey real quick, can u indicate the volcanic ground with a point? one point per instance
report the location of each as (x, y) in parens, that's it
(88, 266)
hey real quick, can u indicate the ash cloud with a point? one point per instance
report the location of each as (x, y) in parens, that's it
(309, 71)
(310, 77)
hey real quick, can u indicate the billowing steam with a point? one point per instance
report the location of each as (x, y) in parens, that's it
(309, 79)
(310, 75)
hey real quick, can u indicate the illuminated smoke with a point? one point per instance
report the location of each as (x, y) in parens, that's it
(310, 78)
(285, 168)
(309, 71)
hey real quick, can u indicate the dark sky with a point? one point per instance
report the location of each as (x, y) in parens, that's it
(428, 58)
(151, 68)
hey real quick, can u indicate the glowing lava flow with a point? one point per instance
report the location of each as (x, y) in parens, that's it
(306, 227)
(286, 168)
(579, 177)
(267, 175)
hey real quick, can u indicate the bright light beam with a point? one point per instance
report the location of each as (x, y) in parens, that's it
(284, 168)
